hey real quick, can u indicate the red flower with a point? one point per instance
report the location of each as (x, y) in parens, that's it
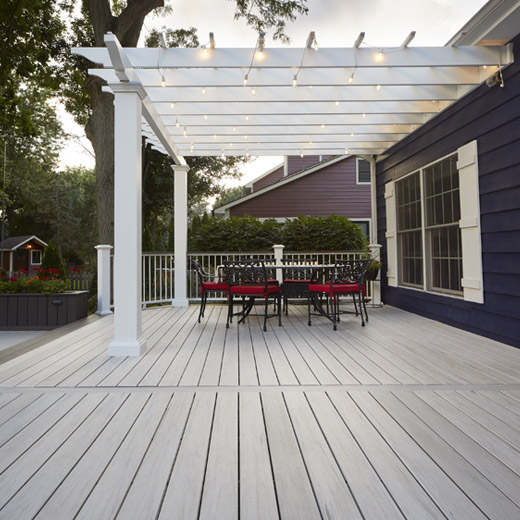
(13, 279)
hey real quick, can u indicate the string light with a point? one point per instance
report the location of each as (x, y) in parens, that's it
(301, 153)
(337, 103)
(378, 87)
(352, 134)
(260, 46)
(247, 154)
(346, 150)
(184, 132)
(295, 81)
(253, 91)
(176, 122)
(246, 77)
(351, 78)
(203, 90)
(223, 156)
(364, 115)
(172, 105)
(205, 52)
(380, 56)
(245, 137)
(322, 125)
(234, 129)
(191, 147)
(247, 118)
(205, 117)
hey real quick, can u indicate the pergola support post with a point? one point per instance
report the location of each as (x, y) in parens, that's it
(375, 248)
(180, 201)
(128, 339)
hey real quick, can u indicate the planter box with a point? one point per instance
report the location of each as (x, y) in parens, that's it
(41, 311)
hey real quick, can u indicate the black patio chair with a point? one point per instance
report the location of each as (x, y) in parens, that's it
(249, 279)
(207, 285)
(348, 277)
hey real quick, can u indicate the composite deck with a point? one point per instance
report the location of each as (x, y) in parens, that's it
(405, 418)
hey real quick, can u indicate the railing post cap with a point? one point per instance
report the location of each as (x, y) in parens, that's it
(279, 246)
(103, 246)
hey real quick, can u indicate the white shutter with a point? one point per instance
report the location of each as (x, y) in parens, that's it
(391, 235)
(472, 281)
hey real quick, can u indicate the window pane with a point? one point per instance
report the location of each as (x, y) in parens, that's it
(410, 258)
(363, 170)
(446, 260)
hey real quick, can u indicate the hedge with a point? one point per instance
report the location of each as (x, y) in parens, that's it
(304, 233)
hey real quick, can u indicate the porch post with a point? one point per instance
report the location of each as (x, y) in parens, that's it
(128, 339)
(103, 280)
(375, 248)
(278, 256)
(180, 201)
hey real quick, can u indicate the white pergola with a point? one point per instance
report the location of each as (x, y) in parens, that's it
(257, 102)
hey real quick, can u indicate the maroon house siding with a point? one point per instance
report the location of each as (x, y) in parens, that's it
(297, 163)
(268, 179)
(332, 189)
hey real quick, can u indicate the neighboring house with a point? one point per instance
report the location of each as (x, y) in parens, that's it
(449, 202)
(22, 252)
(309, 185)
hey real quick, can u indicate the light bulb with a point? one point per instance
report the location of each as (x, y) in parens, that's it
(245, 137)
(205, 117)
(223, 156)
(337, 103)
(351, 79)
(247, 153)
(301, 153)
(379, 56)
(205, 52)
(364, 115)
(234, 129)
(247, 118)
(295, 81)
(260, 54)
(346, 150)
(203, 90)
(322, 125)
(245, 80)
(316, 46)
(378, 87)
(163, 83)
(253, 91)
(176, 122)
(172, 105)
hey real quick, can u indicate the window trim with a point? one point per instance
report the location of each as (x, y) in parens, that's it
(41, 256)
(357, 172)
(426, 285)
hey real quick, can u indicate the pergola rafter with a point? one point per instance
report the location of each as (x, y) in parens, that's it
(204, 105)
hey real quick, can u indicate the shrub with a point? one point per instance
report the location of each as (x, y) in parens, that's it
(332, 233)
(301, 234)
(52, 259)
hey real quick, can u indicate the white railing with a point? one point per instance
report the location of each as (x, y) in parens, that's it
(158, 270)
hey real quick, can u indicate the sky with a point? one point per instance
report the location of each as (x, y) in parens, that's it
(337, 23)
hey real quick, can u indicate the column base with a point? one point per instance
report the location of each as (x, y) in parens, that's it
(104, 313)
(180, 303)
(119, 348)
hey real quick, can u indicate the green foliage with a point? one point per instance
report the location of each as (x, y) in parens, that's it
(229, 195)
(235, 234)
(32, 46)
(332, 233)
(263, 14)
(52, 259)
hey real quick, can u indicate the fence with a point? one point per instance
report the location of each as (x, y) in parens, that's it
(158, 270)
(80, 281)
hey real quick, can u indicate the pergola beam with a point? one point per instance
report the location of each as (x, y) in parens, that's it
(337, 76)
(157, 58)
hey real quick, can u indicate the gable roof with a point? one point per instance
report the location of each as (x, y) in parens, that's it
(13, 243)
(260, 177)
(285, 180)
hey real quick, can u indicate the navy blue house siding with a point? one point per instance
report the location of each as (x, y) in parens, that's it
(492, 117)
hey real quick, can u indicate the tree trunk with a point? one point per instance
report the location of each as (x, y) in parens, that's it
(100, 127)
(100, 132)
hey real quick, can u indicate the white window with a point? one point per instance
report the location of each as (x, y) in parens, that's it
(36, 257)
(362, 171)
(433, 228)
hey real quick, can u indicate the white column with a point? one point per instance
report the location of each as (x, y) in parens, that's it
(128, 339)
(278, 256)
(180, 201)
(103, 279)
(375, 252)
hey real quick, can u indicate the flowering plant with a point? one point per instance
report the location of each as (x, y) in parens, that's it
(45, 281)
(375, 265)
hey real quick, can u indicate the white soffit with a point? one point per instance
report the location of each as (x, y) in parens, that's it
(352, 100)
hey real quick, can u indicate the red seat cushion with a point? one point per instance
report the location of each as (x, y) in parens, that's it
(215, 286)
(336, 288)
(255, 289)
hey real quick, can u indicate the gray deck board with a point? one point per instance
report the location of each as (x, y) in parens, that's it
(404, 418)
